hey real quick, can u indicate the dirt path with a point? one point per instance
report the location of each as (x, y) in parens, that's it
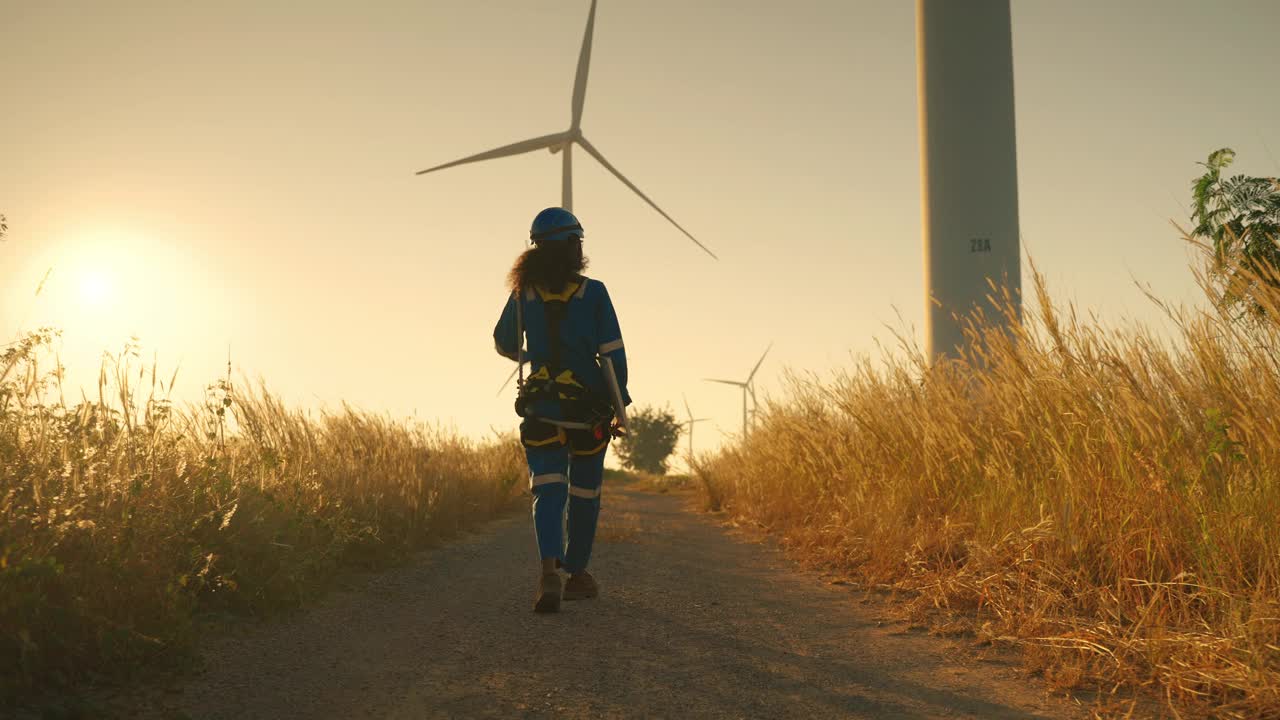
(691, 623)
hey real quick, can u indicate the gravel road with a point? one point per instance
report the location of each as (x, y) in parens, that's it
(693, 621)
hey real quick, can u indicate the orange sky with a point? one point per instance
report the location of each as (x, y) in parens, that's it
(242, 175)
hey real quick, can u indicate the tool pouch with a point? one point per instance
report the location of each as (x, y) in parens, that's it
(535, 433)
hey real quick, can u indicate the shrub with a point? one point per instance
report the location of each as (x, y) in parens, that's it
(650, 440)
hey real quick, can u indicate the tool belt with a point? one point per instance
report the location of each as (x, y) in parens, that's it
(587, 415)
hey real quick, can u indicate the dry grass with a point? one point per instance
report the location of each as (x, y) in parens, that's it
(1106, 501)
(123, 519)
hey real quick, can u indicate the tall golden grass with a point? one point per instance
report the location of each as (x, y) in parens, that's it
(1105, 499)
(123, 519)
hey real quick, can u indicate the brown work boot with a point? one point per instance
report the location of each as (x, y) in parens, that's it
(580, 585)
(548, 594)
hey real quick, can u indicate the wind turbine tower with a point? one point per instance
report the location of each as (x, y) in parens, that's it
(563, 142)
(968, 162)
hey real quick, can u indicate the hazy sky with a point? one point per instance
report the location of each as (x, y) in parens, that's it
(241, 174)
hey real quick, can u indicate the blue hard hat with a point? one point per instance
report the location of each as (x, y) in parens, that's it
(554, 224)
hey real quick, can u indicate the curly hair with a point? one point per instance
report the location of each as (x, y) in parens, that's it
(549, 265)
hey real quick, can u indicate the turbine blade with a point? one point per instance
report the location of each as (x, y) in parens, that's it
(596, 154)
(686, 405)
(523, 146)
(758, 364)
(584, 65)
(735, 383)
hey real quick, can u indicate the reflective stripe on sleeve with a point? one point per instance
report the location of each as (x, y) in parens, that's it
(587, 493)
(582, 289)
(548, 479)
(611, 346)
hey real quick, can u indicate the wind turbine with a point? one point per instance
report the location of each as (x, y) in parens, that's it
(690, 423)
(747, 387)
(563, 141)
(968, 158)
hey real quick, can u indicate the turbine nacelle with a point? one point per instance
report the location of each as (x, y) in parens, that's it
(571, 136)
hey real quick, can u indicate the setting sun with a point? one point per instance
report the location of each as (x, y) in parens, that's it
(92, 276)
(104, 279)
(96, 288)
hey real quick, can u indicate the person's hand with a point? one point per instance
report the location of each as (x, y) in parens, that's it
(617, 430)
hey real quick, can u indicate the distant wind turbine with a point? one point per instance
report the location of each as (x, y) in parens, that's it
(563, 141)
(690, 423)
(748, 387)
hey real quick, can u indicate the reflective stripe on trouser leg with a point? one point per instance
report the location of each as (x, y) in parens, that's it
(586, 473)
(550, 486)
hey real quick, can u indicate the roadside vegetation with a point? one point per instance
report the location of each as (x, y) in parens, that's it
(125, 520)
(1106, 499)
(652, 434)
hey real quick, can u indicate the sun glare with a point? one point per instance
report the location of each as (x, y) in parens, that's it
(93, 293)
(103, 287)
(97, 288)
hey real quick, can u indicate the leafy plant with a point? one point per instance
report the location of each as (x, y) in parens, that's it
(651, 439)
(1240, 217)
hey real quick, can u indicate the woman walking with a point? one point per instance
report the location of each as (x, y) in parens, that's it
(574, 345)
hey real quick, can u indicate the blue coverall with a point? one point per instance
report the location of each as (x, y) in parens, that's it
(565, 466)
